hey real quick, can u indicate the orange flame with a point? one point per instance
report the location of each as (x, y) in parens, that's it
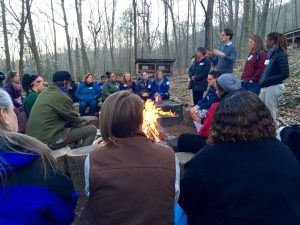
(150, 115)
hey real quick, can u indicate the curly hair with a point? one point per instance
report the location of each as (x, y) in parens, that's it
(241, 117)
(280, 40)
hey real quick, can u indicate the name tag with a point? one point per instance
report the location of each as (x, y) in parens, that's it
(125, 85)
(167, 83)
(90, 88)
(201, 64)
(149, 86)
(267, 62)
(250, 57)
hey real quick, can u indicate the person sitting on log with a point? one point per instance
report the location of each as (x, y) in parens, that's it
(244, 170)
(33, 85)
(130, 179)
(110, 86)
(128, 83)
(225, 84)
(160, 87)
(88, 94)
(53, 119)
(144, 86)
(32, 188)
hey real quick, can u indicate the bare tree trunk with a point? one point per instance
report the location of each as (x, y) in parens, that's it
(264, 19)
(279, 10)
(6, 47)
(21, 38)
(33, 45)
(236, 18)
(208, 23)
(245, 28)
(77, 60)
(253, 12)
(194, 24)
(54, 37)
(296, 13)
(166, 40)
(85, 60)
(285, 15)
(67, 38)
(230, 12)
(187, 35)
(272, 15)
(134, 31)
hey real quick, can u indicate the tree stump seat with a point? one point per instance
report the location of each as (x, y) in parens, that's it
(61, 156)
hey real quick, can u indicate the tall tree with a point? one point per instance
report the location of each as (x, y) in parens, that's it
(194, 2)
(296, 13)
(68, 38)
(77, 60)
(245, 28)
(264, 17)
(33, 45)
(54, 37)
(208, 23)
(134, 6)
(166, 36)
(6, 47)
(85, 60)
(236, 17)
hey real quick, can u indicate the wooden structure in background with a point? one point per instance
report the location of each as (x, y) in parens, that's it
(152, 65)
(293, 37)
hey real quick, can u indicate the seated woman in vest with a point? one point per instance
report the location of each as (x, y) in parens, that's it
(33, 85)
(255, 64)
(225, 84)
(160, 87)
(110, 86)
(88, 94)
(128, 84)
(245, 176)
(32, 189)
(129, 180)
(144, 86)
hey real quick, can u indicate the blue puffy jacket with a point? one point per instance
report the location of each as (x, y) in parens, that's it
(27, 197)
(87, 92)
(162, 89)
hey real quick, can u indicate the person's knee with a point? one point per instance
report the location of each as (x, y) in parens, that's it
(91, 130)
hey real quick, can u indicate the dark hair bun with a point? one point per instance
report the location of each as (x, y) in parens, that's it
(27, 79)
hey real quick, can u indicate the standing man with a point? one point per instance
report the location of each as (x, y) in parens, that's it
(198, 73)
(224, 58)
(275, 72)
(53, 119)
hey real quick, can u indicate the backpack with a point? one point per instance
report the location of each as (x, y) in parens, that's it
(290, 135)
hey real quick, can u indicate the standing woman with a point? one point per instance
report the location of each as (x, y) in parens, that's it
(33, 85)
(88, 94)
(128, 83)
(160, 87)
(14, 89)
(275, 72)
(32, 189)
(198, 74)
(254, 66)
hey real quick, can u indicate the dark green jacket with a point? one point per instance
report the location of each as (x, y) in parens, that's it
(109, 88)
(29, 101)
(52, 112)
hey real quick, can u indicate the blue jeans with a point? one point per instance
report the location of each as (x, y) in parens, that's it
(92, 107)
(251, 86)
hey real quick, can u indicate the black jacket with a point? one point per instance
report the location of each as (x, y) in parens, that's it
(276, 70)
(242, 184)
(200, 70)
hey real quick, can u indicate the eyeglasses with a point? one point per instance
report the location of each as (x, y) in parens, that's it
(224, 34)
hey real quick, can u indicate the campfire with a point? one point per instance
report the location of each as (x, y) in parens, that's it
(150, 125)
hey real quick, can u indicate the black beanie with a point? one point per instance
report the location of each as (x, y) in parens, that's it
(61, 76)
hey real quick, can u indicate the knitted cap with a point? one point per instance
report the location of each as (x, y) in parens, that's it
(229, 82)
(61, 76)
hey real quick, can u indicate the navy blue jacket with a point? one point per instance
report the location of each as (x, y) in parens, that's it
(276, 71)
(209, 99)
(132, 87)
(87, 92)
(162, 89)
(200, 70)
(27, 197)
(242, 184)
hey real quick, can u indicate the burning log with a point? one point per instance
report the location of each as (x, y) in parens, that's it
(150, 125)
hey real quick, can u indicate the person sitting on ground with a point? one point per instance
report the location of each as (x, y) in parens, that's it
(14, 89)
(2, 78)
(199, 111)
(254, 66)
(144, 87)
(53, 119)
(160, 87)
(32, 188)
(198, 74)
(101, 83)
(111, 86)
(88, 94)
(33, 85)
(129, 180)
(244, 170)
(225, 84)
(128, 83)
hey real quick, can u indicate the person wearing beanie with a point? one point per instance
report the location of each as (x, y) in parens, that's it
(198, 73)
(225, 57)
(53, 119)
(225, 84)
(33, 85)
